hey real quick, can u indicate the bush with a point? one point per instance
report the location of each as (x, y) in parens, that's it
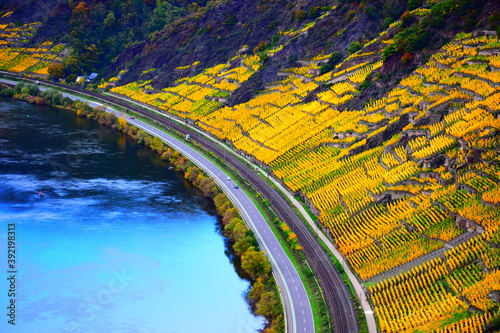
(230, 21)
(71, 78)
(30, 89)
(314, 12)
(19, 87)
(354, 47)
(407, 58)
(387, 22)
(272, 25)
(66, 101)
(350, 15)
(408, 40)
(414, 4)
(53, 96)
(334, 60)
(259, 48)
(365, 84)
(7, 91)
(300, 15)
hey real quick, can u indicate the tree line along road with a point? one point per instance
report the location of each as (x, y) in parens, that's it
(335, 291)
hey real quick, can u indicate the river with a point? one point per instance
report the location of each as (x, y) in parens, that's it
(116, 242)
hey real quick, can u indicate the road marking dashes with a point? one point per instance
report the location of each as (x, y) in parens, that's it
(266, 234)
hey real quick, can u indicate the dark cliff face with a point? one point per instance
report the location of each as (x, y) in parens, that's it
(136, 38)
(218, 34)
(53, 14)
(30, 10)
(214, 36)
(210, 35)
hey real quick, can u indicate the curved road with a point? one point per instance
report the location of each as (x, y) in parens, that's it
(298, 312)
(297, 306)
(335, 291)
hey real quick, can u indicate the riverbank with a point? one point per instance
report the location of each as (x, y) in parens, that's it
(263, 295)
(109, 206)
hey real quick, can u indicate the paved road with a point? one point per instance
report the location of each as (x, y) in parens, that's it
(299, 317)
(335, 291)
(298, 307)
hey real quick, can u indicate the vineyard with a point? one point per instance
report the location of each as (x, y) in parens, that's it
(437, 296)
(194, 97)
(407, 186)
(433, 184)
(16, 56)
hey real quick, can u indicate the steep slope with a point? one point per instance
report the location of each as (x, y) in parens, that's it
(401, 178)
(216, 35)
(95, 31)
(383, 118)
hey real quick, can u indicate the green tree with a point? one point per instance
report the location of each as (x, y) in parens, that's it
(255, 263)
(165, 13)
(268, 305)
(354, 47)
(156, 144)
(221, 203)
(332, 61)
(19, 87)
(208, 187)
(110, 20)
(53, 96)
(7, 91)
(244, 244)
(56, 70)
(30, 89)
(229, 215)
(257, 290)
(237, 228)
(240, 230)
(141, 135)
(192, 174)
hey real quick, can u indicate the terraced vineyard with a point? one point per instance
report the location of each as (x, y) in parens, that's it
(408, 186)
(385, 204)
(16, 56)
(194, 97)
(437, 295)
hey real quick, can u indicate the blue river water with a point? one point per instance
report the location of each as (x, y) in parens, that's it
(116, 243)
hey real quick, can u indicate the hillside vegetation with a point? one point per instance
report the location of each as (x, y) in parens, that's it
(391, 134)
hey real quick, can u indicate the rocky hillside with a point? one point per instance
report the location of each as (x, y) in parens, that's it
(170, 36)
(383, 116)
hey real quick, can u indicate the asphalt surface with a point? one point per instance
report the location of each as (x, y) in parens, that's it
(298, 312)
(335, 291)
(298, 308)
